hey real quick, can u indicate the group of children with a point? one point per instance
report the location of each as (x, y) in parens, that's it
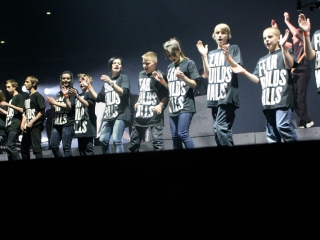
(75, 112)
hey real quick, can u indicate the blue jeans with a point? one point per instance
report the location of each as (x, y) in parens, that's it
(116, 129)
(65, 134)
(179, 126)
(223, 118)
(279, 126)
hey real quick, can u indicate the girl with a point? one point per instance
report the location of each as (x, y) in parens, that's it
(182, 79)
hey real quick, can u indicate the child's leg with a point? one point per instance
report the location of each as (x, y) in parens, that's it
(118, 130)
(157, 138)
(25, 146)
(223, 125)
(36, 142)
(67, 136)
(136, 136)
(106, 131)
(183, 129)
(177, 143)
(272, 134)
(284, 125)
(55, 139)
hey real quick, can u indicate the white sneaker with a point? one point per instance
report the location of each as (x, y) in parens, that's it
(310, 124)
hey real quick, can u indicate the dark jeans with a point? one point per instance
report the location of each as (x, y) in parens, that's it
(223, 118)
(301, 78)
(13, 153)
(65, 134)
(31, 139)
(85, 145)
(138, 133)
(279, 126)
(179, 126)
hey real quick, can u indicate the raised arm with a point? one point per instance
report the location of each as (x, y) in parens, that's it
(116, 88)
(74, 92)
(239, 69)
(158, 76)
(295, 32)
(288, 60)
(203, 50)
(305, 25)
(225, 50)
(89, 86)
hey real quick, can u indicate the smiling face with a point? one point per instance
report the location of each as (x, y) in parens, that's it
(271, 37)
(66, 80)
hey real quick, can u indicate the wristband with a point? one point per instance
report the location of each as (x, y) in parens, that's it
(244, 71)
(66, 95)
(162, 81)
(306, 33)
(229, 59)
(89, 86)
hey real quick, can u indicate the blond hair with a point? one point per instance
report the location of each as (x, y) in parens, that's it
(34, 81)
(173, 46)
(12, 82)
(152, 56)
(224, 27)
(80, 75)
(276, 31)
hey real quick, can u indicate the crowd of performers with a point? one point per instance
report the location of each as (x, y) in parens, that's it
(283, 73)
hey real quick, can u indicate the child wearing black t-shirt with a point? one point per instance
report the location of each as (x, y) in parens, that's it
(85, 117)
(153, 98)
(222, 90)
(273, 73)
(182, 79)
(32, 120)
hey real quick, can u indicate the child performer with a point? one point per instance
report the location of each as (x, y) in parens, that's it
(182, 79)
(222, 91)
(150, 106)
(85, 117)
(273, 73)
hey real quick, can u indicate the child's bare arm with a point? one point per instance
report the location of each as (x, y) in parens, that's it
(203, 50)
(239, 69)
(305, 25)
(288, 60)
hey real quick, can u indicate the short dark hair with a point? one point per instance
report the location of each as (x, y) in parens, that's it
(111, 61)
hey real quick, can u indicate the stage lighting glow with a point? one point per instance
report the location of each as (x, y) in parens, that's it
(24, 89)
(48, 13)
(2, 42)
(46, 91)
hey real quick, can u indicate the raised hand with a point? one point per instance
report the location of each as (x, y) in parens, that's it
(304, 23)
(64, 89)
(105, 78)
(274, 24)
(50, 100)
(284, 39)
(225, 50)
(73, 91)
(237, 69)
(157, 75)
(286, 17)
(203, 50)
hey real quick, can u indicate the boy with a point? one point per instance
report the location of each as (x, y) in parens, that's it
(311, 49)
(300, 75)
(85, 118)
(13, 120)
(222, 90)
(152, 100)
(32, 120)
(273, 73)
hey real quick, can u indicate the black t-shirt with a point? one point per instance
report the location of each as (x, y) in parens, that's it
(222, 82)
(63, 116)
(181, 97)
(2, 121)
(85, 117)
(275, 80)
(316, 46)
(151, 94)
(33, 104)
(117, 107)
(14, 117)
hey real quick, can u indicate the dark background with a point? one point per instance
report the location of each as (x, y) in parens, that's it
(82, 35)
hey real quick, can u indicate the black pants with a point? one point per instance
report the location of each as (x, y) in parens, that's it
(85, 145)
(138, 133)
(32, 138)
(13, 153)
(301, 78)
